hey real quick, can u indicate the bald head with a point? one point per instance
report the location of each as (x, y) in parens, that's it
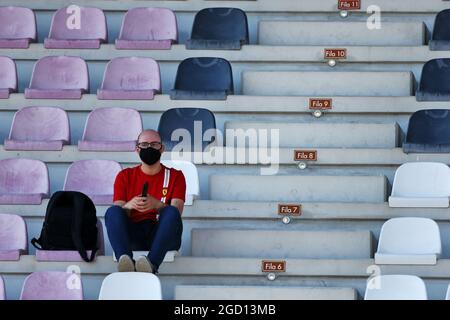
(149, 136)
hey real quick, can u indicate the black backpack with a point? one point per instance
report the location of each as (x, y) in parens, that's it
(70, 224)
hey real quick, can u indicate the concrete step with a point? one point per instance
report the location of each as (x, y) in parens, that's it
(271, 244)
(183, 292)
(344, 33)
(298, 188)
(314, 135)
(333, 83)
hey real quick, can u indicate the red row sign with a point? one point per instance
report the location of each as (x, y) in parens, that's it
(290, 209)
(320, 104)
(335, 53)
(349, 4)
(305, 155)
(273, 266)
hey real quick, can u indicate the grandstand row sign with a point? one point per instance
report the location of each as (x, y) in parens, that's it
(305, 155)
(320, 104)
(335, 53)
(290, 209)
(349, 4)
(273, 266)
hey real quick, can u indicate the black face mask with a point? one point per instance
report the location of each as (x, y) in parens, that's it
(149, 156)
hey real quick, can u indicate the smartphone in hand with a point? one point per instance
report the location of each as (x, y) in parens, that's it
(144, 190)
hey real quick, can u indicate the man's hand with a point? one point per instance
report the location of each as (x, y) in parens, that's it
(143, 204)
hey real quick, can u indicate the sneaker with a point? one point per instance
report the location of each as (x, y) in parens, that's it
(144, 265)
(126, 264)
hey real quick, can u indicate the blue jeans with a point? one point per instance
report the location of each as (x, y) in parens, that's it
(158, 237)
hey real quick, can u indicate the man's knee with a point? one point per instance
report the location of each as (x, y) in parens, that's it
(170, 213)
(114, 213)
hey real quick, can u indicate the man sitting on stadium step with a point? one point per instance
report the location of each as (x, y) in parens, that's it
(148, 202)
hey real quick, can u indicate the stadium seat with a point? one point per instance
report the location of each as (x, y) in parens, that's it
(13, 238)
(73, 255)
(440, 39)
(131, 286)
(399, 243)
(190, 174)
(219, 29)
(203, 79)
(434, 82)
(421, 184)
(52, 285)
(17, 27)
(60, 77)
(130, 79)
(95, 178)
(39, 128)
(396, 287)
(2, 289)
(148, 28)
(428, 132)
(88, 35)
(23, 181)
(447, 296)
(105, 130)
(187, 120)
(8, 77)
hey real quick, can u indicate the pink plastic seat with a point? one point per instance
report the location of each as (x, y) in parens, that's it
(95, 178)
(72, 255)
(106, 130)
(148, 28)
(2, 289)
(91, 32)
(17, 27)
(23, 181)
(130, 79)
(59, 77)
(8, 77)
(13, 238)
(39, 128)
(52, 285)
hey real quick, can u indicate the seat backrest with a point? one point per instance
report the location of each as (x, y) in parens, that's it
(106, 124)
(410, 236)
(92, 25)
(441, 30)
(40, 124)
(179, 124)
(2, 289)
(60, 72)
(429, 127)
(8, 74)
(447, 296)
(220, 24)
(190, 174)
(395, 287)
(204, 74)
(17, 23)
(422, 179)
(52, 285)
(13, 232)
(435, 76)
(132, 73)
(149, 24)
(92, 176)
(23, 176)
(131, 286)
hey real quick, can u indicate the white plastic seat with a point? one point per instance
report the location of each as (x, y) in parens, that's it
(2, 289)
(409, 241)
(131, 286)
(447, 296)
(395, 287)
(190, 174)
(421, 184)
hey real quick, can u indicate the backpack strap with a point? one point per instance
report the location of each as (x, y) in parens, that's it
(36, 243)
(165, 184)
(76, 230)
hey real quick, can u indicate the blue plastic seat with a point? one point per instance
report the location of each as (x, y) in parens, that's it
(440, 40)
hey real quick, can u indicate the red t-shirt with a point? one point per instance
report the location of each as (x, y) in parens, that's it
(129, 183)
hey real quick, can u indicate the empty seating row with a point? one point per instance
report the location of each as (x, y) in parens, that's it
(129, 78)
(76, 27)
(55, 285)
(47, 128)
(26, 181)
